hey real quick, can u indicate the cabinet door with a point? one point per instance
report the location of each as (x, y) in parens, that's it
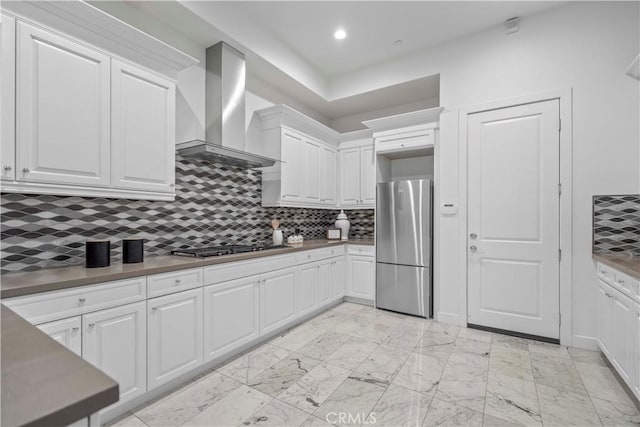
(367, 176)
(115, 341)
(361, 276)
(312, 155)
(277, 299)
(66, 332)
(308, 278)
(143, 129)
(8, 98)
(292, 145)
(338, 278)
(174, 335)
(605, 318)
(624, 335)
(231, 315)
(349, 176)
(62, 110)
(325, 287)
(329, 176)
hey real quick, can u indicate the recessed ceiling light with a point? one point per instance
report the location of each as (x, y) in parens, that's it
(340, 34)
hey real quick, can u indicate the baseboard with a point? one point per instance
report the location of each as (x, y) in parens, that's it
(450, 318)
(162, 390)
(581, 341)
(357, 300)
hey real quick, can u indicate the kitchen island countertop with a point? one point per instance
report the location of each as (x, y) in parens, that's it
(43, 383)
(52, 279)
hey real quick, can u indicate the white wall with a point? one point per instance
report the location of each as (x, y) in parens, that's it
(585, 46)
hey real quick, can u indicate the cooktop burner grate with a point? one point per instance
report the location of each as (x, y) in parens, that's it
(212, 251)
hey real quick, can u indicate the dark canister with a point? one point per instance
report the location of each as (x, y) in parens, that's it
(132, 251)
(98, 253)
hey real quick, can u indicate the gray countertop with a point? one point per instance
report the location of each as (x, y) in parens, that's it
(628, 264)
(26, 283)
(43, 383)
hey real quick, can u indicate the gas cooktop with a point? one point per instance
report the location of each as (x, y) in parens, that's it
(223, 250)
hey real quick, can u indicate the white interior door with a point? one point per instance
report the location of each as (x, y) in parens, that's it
(513, 218)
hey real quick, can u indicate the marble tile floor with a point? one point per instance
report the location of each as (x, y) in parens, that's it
(355, 365)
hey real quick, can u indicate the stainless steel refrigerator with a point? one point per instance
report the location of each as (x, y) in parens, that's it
(404, 243)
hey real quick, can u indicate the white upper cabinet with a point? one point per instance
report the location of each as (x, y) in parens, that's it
(306, 175)
(292, 150)
(367, 176)
(142, 128)
(8, 98)
(329, 185)
(312, 171)
(81, 122)
(62, 110)
(357, 175)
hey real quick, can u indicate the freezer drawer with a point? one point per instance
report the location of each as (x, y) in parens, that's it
(404, 289)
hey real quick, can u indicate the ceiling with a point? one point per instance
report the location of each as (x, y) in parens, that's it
(293, 58)
(307, 27)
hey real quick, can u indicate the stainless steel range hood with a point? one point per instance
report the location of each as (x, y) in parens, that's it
(224, 113)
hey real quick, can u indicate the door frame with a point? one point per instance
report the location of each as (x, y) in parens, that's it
(565, 97)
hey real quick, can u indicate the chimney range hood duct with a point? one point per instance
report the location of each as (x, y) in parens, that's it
(224, 113)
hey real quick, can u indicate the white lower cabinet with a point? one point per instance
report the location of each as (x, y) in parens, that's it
(307, 288)
(361, 277)
(625, 336)
(338, 278)
(277, 299)
(324, 282)
(174, 335)
(605, 318)
(66, 332)
(619, 332)
(114, 340)
(320, 283)
(231, 315)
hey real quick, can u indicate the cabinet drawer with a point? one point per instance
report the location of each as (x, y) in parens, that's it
(627, 285)
(318, 254)
(405, 141)
(172, 282)
(361, 250)
(606, 273)
(55, 305)
(237, 270)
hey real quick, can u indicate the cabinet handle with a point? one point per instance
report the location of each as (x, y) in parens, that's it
(177, 282)
(82, 300)
(621, 281)
(7, 167)
(91, 325)
(172, 185)
(25, 170)
(154, 308)
(75, 329)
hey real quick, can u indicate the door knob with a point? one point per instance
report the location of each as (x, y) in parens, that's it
(473, 236)
(473, 248)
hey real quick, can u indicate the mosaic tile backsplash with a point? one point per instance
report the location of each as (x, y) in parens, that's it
(214, 204)
(616, 224)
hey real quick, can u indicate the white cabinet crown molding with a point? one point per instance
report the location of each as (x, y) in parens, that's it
(85, 22)
(403, 120)
(285, 116)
